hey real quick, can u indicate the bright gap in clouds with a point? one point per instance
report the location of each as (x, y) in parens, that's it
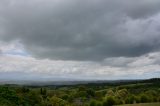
(13, 48)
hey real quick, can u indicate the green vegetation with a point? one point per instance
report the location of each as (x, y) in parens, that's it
(97, 94)
(142, 104)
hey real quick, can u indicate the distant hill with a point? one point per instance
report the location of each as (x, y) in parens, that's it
(61, 83)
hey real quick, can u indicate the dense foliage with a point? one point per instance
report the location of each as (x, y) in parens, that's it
(100, 94)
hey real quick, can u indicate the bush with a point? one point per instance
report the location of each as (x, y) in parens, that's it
(55, 101)
(122, 94)
(91, 92)
(130, 99)
(110, 93)
(144, 98)
(99, 104)
(65, 97)
(110, 101)
(93, 103)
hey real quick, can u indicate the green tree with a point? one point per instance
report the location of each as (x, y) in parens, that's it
(55, 101)
(110, 101)
(122, 94)
(144, 98)
(93, 103)
(110, 93)
(91, 92)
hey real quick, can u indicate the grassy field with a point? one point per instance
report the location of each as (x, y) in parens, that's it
(142, 104)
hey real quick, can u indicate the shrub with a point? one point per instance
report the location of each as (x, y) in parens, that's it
(110, 101)
(93, 103)
(144, 98)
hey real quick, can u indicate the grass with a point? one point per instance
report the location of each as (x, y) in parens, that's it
(142, 104)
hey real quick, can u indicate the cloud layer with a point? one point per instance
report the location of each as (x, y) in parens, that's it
(76, 38)
(82, 30)
(16, 64)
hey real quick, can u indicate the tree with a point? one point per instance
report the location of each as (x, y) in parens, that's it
(91, 92)
(122, 94)
(110, 101)
(110, 93)
(130, 99)
(99, 95)
(144, 98)
(93, 103)
(55, 101)
(82, 88)
(43, 91)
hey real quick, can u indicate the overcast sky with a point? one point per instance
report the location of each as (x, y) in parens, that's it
(79, 39)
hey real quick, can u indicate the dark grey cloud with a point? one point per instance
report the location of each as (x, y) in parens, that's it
(0, 52)
(82, 30)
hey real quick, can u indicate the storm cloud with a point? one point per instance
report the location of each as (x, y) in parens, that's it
(89, 30)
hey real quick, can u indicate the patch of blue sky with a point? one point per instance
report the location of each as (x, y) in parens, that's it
(19, 53)
(152, 74)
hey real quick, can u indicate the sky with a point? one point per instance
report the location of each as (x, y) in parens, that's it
(79, 39)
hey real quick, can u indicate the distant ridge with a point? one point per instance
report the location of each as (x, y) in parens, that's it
(78, 82)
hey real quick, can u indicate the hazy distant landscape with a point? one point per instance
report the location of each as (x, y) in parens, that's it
(83, 93)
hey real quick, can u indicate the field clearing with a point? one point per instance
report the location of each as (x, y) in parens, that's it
(142, 104)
